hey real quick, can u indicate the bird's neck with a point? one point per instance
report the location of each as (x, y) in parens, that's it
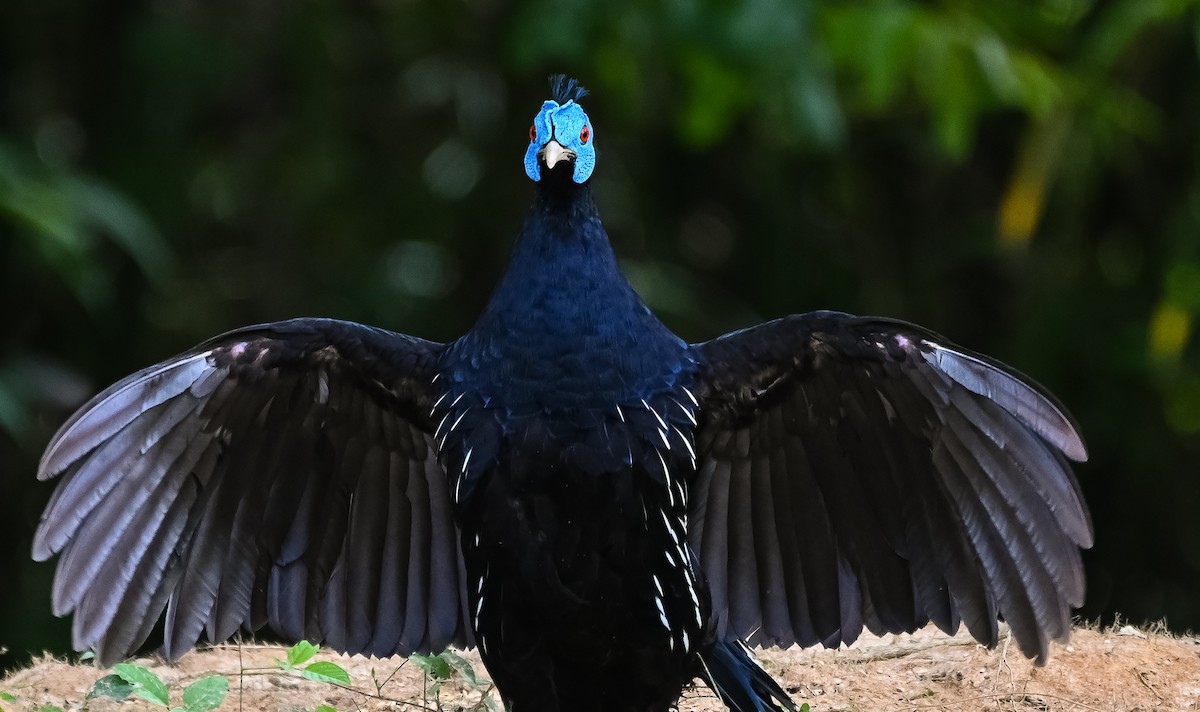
(564, 313)
(562, 272)
(561, 207)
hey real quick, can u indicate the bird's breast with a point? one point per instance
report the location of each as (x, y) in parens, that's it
(579, 515)
(568, 453)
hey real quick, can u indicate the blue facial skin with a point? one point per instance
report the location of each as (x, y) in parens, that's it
(563, 124)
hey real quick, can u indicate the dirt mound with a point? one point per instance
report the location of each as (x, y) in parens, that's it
(1123, 670)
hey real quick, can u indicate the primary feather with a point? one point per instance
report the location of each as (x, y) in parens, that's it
(606, 511)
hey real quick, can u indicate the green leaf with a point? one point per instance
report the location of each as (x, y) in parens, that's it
(112, 686)
(464, 668)
(7, 696)
(47, 708)
(146, 684)
(949, 85)
(1041, 87)
(325, 708)
(434, 666)
(301, 653)
(204, 694)
(327, 672)
(876, 42)
(716, 93)
(125, 224)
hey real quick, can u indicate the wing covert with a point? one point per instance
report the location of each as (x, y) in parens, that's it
(282, 475)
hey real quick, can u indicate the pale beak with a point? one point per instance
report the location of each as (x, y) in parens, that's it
(553, 152)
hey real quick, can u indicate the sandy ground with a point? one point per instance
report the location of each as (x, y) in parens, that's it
(1116, 670)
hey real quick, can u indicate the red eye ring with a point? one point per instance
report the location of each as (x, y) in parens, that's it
(584, 134)
(532, 132)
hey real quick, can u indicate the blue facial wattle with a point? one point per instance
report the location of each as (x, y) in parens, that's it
(569, 125)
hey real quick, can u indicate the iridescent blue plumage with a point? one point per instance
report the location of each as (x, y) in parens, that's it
(568, 442)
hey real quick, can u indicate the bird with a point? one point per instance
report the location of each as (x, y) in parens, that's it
(606, 511)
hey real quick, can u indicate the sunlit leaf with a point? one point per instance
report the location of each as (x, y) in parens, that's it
(1041, 90)
(301, 653)
(145, 683)
(326, 672)
(1170, 329)
(1025, 199)
(207, 693)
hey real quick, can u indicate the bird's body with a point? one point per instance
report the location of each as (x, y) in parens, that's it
(605, 510)
(564, 423)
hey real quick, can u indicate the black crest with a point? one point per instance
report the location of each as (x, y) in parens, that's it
(564, 89)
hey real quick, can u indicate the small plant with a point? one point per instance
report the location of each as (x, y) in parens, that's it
(127, 679)
(320, 671)
(441, 668)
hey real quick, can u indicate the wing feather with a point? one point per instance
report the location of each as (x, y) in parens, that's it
(281, 474)
(865, 472)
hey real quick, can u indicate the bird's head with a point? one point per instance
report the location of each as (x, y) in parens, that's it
(561, 134)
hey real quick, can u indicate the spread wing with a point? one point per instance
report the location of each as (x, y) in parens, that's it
(281, 474)
(863, 471)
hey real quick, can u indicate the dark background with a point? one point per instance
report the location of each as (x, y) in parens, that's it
(1022, 176)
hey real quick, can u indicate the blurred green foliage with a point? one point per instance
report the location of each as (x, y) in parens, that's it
(1023, 176)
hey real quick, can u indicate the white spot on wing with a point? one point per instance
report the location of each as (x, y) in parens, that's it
(661, 423)
(322, 387)
(670, 529)
(686, 443)
(437, 433)
(687, 412)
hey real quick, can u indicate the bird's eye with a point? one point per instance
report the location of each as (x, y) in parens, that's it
(532, 132)
(584, 134)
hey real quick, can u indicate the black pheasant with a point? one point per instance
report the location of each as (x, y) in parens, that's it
(604, 510)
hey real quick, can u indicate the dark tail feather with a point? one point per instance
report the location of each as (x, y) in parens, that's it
(732, 672)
